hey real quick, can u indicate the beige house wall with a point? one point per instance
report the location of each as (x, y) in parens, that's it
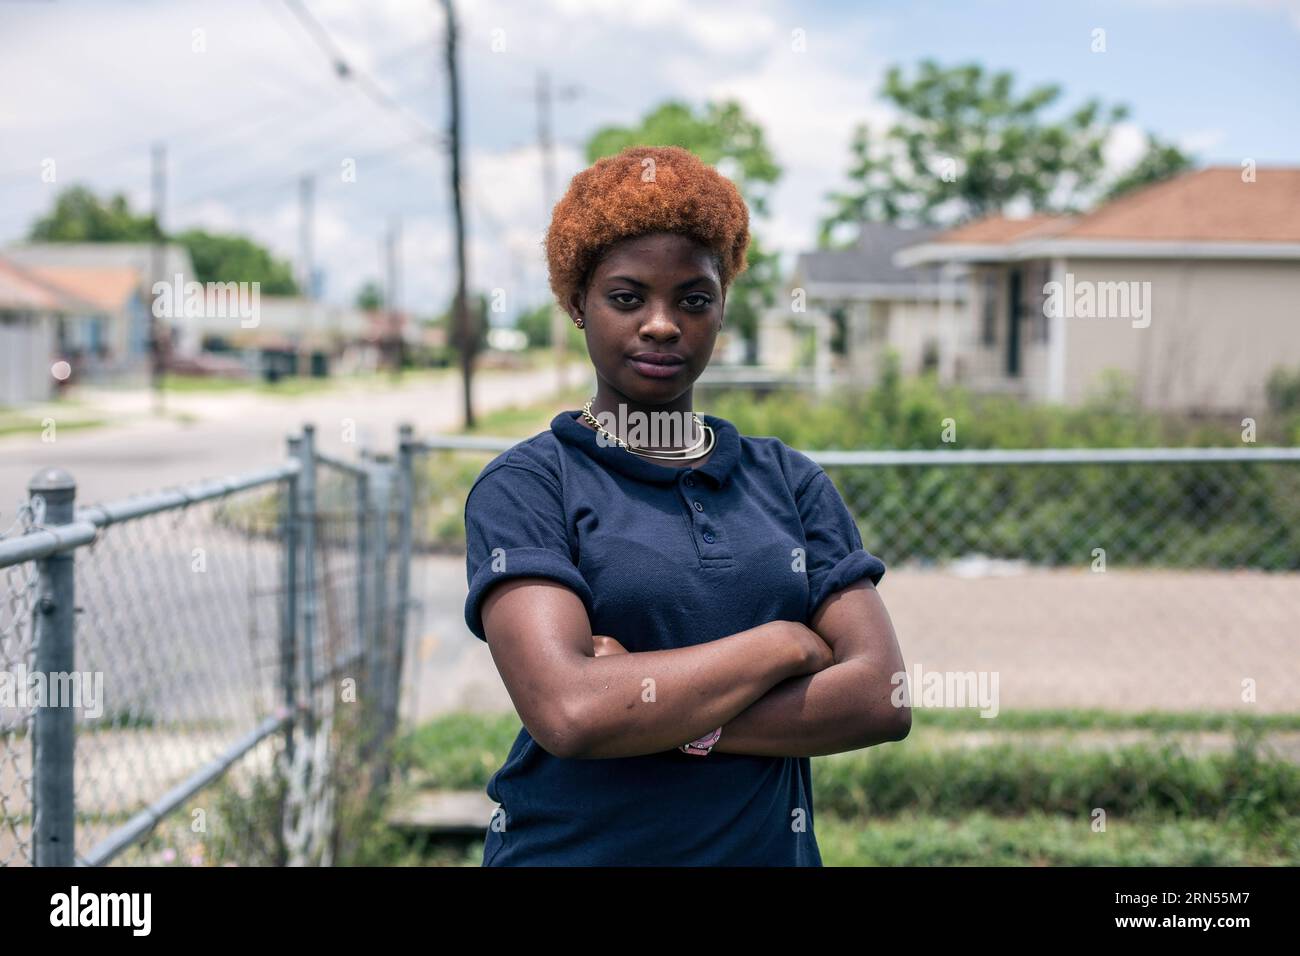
(1217, 329)
(904, 325)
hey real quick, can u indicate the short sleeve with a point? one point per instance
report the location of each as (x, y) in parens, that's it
(835, 557)
(515, 527)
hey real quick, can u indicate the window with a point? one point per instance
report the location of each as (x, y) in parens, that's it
(929, 356)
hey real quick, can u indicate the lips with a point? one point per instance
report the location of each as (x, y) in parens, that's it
(658, 358)
(657, 364)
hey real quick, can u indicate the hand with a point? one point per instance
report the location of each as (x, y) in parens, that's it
(605, 645)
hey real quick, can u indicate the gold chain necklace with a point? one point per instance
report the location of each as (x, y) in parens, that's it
(705, 442)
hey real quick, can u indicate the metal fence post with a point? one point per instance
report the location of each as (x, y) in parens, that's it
(289, 608)
(54, 734)
(307, 515)
(406, 533)
(381, 478)
(363, 565)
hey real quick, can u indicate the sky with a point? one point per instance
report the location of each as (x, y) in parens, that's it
(246, 103)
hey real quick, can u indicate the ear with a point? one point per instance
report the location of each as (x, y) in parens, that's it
(576, 306)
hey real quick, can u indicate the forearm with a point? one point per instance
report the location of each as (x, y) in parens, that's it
(844, 707)
(634, 704)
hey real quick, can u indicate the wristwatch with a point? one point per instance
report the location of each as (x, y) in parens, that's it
(702, 746)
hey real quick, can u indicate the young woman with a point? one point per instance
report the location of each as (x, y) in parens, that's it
(680, 625)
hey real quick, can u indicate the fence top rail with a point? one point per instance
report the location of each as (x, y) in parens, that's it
(139, 506)
(462, 443)
(969, 456)
(1053, 456)
(347, 467)
(48, 540)
(43, 542)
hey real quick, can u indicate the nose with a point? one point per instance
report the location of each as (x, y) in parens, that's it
(659, 324)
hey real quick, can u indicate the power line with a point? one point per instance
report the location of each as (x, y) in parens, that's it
(280, 181)
(345, 71)
(137, 148)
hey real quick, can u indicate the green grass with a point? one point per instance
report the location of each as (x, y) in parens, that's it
(1164, 721)
(1039, 839)
(67, 414)
(524, 421)
(930, 800)
(1162, 778)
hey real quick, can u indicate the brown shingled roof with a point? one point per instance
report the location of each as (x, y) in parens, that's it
(1205, 205)
(106, 288)
(22, 290)
(998, 229)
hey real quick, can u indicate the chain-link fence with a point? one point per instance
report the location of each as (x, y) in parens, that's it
(1115, 579)
(197, 675)
(1123, 580)
(183, 667)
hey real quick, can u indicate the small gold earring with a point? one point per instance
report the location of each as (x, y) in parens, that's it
(580, 323)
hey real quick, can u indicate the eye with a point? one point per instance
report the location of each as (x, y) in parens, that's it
(616, 296)
(702, 301)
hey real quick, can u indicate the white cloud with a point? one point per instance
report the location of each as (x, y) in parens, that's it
(1126, 144)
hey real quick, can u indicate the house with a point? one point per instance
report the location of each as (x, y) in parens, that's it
(873, 302)
(293, 334)
(1189, 289)
(108, 337)
(31, 314)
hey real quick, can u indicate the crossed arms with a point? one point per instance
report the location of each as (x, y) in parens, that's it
(782, 689)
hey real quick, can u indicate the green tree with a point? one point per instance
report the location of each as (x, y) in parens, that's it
(370, 296)
(874, 199)
(225, 258)
(724, 137)
(81, 216)
(966, 144)
(1160, 161)
(536, 324)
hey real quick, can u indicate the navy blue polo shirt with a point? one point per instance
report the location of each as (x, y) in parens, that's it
(661, 558)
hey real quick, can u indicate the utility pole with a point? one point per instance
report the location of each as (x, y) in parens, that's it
(460, 311)
(306, 211)
(392, 294)
(546, 147)
(157, 365)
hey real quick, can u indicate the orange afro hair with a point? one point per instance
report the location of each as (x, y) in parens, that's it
(641, 190)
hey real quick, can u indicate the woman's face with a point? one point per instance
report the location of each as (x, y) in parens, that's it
(659, 293)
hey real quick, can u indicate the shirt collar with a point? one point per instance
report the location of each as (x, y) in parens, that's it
(726, 451)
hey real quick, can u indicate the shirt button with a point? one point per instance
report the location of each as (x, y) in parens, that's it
(708, 537)
(698, 506)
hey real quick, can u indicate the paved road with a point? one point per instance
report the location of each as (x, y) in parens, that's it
(233, 433)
